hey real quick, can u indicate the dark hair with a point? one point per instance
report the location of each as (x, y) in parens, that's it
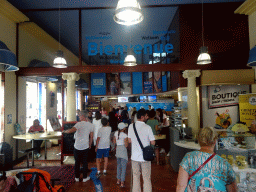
(3, 175)
(134, 113)
(104, 121)
(152, 113)
(161, 115)
(141, 113)
(97, 115)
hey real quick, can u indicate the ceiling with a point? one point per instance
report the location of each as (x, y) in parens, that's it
(98, 25)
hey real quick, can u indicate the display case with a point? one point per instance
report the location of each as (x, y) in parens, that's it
(176, 118)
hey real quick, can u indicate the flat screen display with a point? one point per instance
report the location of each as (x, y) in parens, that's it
(122, 99)
(143, 99)
(152, 98)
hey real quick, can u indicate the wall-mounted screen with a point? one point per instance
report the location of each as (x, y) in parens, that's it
(143, 99)
(122, 99)
(152, 98)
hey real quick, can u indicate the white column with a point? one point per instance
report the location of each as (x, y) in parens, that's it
(71, 94)
(191, 75)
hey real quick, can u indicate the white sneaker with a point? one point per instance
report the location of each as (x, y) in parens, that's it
(86, 179)
(77, 179)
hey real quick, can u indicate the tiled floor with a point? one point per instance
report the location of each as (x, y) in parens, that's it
(163, 177)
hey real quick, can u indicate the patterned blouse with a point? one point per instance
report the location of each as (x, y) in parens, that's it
(214, 176)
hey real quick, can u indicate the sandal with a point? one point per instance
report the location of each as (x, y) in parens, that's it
(118, 182)
(122, 185)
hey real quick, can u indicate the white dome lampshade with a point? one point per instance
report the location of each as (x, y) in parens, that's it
(130, 60)
(128, 12)
(204, 57)
(59, 61)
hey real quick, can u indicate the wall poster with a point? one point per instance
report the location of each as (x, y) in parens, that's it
(147, 82)
(113, 84)
(157, 82)
(125, 79)
(137, 83)
(223, 96)
(98, 84)
(247, 108)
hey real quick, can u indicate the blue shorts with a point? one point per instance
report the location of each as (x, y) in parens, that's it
(104, 152)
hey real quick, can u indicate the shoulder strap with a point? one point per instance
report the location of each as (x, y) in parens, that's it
(136, 133)
(201, 166)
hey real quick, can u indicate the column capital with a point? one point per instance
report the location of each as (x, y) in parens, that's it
(70, 76)
(191, 74)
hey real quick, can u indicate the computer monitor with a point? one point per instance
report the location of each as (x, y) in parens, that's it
(152, 98)
(143, 99)
(122, 99)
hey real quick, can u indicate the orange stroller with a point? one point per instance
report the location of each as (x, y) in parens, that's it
(37, 180)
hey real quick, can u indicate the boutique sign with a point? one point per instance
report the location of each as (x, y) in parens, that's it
(223, 96)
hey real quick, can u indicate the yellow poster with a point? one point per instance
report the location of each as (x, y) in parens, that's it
(247, 108)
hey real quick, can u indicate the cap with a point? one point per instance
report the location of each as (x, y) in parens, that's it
(122, 126)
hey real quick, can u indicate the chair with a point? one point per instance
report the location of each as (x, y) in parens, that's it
(37, 180)
(28, 151)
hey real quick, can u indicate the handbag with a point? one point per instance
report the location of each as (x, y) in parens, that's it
(191, 187)
(148, 151)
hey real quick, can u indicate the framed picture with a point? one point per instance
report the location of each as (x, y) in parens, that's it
(9, 119)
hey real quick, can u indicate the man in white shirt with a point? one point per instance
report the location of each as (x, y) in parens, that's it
(84, 138)
(138, 163)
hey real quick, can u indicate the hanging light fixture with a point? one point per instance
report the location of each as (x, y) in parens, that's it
(8, 62)
(59, 61)
(128, 12)
(130, 60)
(204, 57)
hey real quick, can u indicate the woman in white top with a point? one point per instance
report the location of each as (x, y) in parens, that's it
(165, 119)
(121, 140)
(97, 125)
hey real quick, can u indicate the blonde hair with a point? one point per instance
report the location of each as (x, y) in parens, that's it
(207, 136)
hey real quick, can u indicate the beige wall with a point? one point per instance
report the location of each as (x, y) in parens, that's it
(10, 107)
(37, 44)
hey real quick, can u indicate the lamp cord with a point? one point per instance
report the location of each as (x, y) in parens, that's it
(203, 22)
(59, 24)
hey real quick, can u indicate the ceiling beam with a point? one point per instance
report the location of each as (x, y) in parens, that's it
(90, 8)
(50, 71)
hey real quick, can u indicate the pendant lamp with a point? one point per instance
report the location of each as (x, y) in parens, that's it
(8, 62)
(128, 12)
(59, 61)
(204, 57)
(130, 60)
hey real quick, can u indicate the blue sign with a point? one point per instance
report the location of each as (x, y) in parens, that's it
(98, 84)
(137, 82)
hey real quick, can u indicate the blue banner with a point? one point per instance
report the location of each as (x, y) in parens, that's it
(164, 83)
(165, 106)
(98, 84)
(137, 83)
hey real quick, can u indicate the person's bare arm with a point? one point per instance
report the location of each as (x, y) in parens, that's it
(114, 140)
(156, 127)
(126, 142)
(182, 180)
(97, 144)
(129, 140)
(91, 139)
(152, 142)
(232, 187)
(72, 130)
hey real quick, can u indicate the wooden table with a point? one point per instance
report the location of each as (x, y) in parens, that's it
(37, 136)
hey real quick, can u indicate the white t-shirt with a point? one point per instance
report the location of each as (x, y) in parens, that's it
(104, 134)
(82, 135)
(145, 134)
(120, 139)
(97, 125)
